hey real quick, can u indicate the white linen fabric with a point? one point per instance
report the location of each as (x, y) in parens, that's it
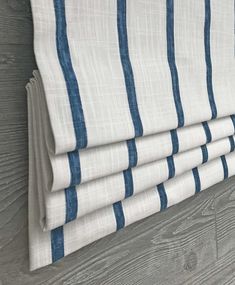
(105, 191)
(108, 89)
(49, 246)
(62, 173)
(131, 111)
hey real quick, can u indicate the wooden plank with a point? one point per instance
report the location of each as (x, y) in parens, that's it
(168, 247)
(15, 22)
(222, 272)
(13, 30)
(16, 63)
(225, 219)
(13, 97)
(13, 121)
(15, 8)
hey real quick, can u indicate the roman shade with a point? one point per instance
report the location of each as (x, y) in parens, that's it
(131, 111)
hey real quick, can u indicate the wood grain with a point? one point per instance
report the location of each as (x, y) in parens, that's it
(178, 246)
(191, 243)
(15, 22)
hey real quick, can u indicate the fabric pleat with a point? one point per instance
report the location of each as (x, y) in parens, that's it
(131, 111)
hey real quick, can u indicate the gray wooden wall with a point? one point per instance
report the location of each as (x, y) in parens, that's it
(191, 243)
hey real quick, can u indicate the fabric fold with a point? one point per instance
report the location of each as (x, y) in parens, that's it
(131, 111)
(48, 247)
(78, 167)
(74, 202)
(108, 85)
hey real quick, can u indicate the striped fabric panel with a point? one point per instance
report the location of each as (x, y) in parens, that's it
(69, 75)
(171, 61)
(74, 158)
(119, 208)
(71, 69)
(131, 186)
(127, 69)
(208, 59)
(178, 182)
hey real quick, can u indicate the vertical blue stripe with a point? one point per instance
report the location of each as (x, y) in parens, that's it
(204, 153)
(232, 144)
(162, 195)
(69, 74)
(171, 61)
(196, 179)
(75, 169)
(208, 58)
(127, 68)
(171, 166)
(132, 152)
(233, 120)
(225, 166)
(57, 244)
(128, 179)
(175, 141)
(71, 203)
(119, 215)
(207, 132)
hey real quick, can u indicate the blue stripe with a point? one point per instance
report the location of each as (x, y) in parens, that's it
(71, 203)
(175, 141)
(129, 187)
(232, 144)
(162, 195)
(207, 132)
(171, 166)
(196, 179)
(204, 153)
(171, 61)
(208, 59)
(119, 215)
(69, 74)
(57, 244)
(75, 169)
(233, 120)
(132, 152)
(127, 68)
(225, 166)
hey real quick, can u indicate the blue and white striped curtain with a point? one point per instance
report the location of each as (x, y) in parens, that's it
(131, 110)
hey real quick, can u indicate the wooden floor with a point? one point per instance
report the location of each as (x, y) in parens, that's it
(191, 243)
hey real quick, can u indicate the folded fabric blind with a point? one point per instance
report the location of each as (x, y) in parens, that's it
(131, 111)
(115, 70)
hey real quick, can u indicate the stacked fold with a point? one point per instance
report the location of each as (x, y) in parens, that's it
(131, 111)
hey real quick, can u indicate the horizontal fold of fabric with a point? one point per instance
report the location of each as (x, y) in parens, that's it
(78, 167)
(131, 111)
